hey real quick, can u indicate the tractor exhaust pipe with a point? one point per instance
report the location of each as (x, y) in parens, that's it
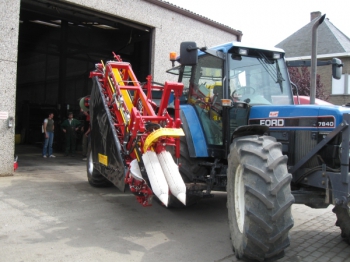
(314, 58)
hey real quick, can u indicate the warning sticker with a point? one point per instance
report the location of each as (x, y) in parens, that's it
(103, 159)
(4, 115)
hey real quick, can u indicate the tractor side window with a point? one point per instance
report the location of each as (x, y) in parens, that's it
(206, 93)
(204, 90)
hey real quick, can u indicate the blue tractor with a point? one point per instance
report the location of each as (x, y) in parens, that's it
(244, 135)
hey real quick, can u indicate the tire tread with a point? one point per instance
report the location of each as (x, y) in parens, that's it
(266, 179)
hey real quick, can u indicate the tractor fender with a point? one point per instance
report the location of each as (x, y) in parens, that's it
(195, 138)
(248, 130)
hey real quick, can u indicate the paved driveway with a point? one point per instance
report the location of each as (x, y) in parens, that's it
(50, 213)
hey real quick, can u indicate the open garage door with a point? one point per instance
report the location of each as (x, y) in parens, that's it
(58, 46)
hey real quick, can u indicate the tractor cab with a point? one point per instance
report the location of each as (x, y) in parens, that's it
(224, 82)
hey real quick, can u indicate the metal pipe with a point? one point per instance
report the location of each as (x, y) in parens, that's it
(314, 58)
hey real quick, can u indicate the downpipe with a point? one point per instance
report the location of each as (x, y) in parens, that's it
(314, 58)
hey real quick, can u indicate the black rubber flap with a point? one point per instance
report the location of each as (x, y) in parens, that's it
(105, 146)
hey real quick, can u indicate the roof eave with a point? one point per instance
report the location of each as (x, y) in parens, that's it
(318, 56)
(197, 17)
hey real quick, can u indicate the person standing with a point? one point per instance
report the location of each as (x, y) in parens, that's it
(86, 131)
(48, 128)
(69, 127)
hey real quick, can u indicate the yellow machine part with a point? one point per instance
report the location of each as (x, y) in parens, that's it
(123, 92)
(169, 132)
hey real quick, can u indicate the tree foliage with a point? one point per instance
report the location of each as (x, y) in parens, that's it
(302, 78)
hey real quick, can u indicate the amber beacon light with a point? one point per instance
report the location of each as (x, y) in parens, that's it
(173, 58)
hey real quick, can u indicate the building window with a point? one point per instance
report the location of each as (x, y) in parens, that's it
(341, 86)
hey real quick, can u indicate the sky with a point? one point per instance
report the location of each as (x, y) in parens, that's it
(268, 22)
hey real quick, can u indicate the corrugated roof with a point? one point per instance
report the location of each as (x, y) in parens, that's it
(330, 41)
(198, 17)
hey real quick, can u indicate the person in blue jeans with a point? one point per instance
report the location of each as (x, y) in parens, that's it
(48, 128)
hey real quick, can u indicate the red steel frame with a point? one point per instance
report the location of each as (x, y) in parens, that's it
(118, 81)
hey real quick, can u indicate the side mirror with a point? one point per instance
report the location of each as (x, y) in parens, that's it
(188, 53)
(336, 68)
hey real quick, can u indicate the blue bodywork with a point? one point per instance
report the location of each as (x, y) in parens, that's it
(317, 117)
(320, 118)
(196, 132)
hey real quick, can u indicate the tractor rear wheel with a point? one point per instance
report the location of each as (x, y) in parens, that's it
(259, 198)
(343, 221)
(94, 177)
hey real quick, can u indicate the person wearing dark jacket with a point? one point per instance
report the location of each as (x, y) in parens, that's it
(70, 126)
(85, 129)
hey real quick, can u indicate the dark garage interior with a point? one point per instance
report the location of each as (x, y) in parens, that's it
(57, 48)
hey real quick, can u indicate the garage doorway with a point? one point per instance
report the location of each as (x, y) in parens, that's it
(58, 46)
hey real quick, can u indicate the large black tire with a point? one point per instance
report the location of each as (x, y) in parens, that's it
(94, 177)
(259, 198)
(343, 221)
(189, 170)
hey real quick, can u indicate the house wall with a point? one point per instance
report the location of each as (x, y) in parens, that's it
(9, 26)
(341, 99)
(170, 28)
(325, 73)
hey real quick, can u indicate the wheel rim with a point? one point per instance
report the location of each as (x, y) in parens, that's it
(91, 164)
(239, 198)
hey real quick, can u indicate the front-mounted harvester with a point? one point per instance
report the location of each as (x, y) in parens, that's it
(130, 134)
(233, 127)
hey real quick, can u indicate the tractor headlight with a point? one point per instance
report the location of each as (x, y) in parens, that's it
(242, 51)
(276, 56)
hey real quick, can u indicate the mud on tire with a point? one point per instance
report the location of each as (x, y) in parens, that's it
(259, 198)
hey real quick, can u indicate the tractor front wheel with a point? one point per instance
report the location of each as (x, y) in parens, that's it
(259, 198)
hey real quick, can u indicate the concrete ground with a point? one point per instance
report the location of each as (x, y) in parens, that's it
(50, 213)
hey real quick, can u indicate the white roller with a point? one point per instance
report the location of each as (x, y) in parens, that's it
(135, 170)
(172, 175)
(156, 176)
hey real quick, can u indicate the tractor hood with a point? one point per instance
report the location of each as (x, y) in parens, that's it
(306, 117)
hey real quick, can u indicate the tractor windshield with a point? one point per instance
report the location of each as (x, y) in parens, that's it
(259, 80)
